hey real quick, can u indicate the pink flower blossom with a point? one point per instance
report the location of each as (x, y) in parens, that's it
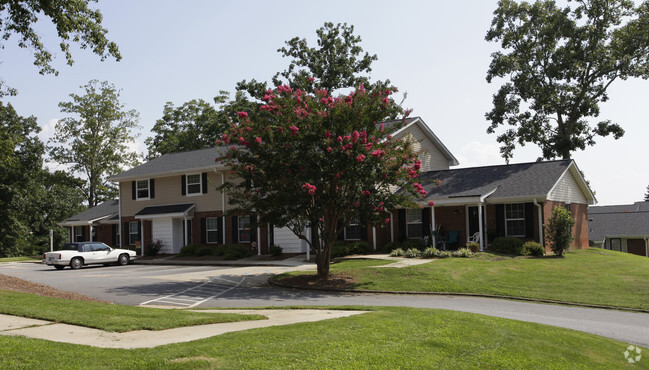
(387, 220)
(355, 136)
(242, 114)
(368, 146)
(311, 79)
(258, 140)
(365, 193)
(431, 203)
(357, 204)
(385, 101)
(327, 135)
(349, 100)
(329, 149)
(360, 158)
(311, 189)
(294, 130)
(340, 139)
(347, 137)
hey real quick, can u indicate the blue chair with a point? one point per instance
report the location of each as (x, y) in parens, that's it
(453, 237)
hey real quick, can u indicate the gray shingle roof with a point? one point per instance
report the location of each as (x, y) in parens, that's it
(618, 221)
(505, 181)
(102, 210)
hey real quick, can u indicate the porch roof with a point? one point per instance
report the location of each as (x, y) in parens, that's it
(513, 182)
(168, 210)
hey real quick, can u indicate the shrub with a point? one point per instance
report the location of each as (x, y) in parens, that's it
(532, 249)
(341, 248)
(189, 250)
(463, 252)
(204, 250)
(155, 247)
(398, 252)
(559, 230)
(275, 250)
(430, 252)
(235, 251)
(444, 254)
(412, 253)
(406, 244)
(474, 247)
(508, 245)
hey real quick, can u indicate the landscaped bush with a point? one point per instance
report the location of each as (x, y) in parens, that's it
(204, 250)
(235, 251)
(155, 246)
(275, 250)
(474, 247)
(342, 249)
(462, 252)
(405, 245)
(412, 253)
(430, 252)
(508, 245)
(532, 249)
(559, 230)
(398, 252)
(189, 250)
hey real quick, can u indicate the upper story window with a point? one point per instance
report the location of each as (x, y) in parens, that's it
(194, 184)
(142, 191)
(515, 219)
(414, 223)
(353, 230)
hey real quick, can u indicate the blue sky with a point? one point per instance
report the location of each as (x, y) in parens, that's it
(434, 50)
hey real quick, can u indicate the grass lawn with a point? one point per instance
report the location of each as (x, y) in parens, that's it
(17, 259)
(591, 276)
(109, 317)
(388, 337)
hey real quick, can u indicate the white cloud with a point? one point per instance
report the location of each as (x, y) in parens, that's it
(474, 153)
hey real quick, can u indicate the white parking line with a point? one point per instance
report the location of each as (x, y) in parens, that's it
(193, 297)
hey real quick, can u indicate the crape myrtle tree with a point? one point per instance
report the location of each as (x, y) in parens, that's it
(557, 64)
(308, 158)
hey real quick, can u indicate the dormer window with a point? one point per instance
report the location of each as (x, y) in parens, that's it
(194, 184)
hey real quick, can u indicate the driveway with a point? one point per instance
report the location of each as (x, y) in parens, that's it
(210, 286)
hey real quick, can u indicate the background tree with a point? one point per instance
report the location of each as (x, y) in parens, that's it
(558, 230)
(560, 63)
(194, 125)
(73, 20)
(94, 141)
(646, 195)
(32, 200)
(312, 159)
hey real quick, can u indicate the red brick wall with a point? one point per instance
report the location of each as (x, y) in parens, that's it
(104, 234)
(579, 213)
(452, 218)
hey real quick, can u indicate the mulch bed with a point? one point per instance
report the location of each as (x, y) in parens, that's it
(20, 285)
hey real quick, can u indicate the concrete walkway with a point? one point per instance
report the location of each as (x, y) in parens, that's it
(40, 329)
(398, 262)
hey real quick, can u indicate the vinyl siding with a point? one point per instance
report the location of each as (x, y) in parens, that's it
(168, 191)
(567, 190)
(432, 159)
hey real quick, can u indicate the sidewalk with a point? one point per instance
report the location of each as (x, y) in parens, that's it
(65, 333)
(296, 261)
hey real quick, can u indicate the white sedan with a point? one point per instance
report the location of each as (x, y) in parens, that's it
(78, 254)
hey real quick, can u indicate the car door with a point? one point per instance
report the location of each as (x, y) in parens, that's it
(103, 253)
(86, 251)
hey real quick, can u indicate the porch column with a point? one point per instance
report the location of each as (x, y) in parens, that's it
(187, 231)
(432, 226)
(646, 247)
(142, 237)
(258, 240)
(223, 205)
(480, 227)
(90, 231)
(374, 237)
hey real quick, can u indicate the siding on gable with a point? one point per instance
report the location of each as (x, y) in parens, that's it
(168, 191)
(432, 159)
(567, 190)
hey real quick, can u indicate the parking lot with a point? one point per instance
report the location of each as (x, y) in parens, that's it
(149, 285)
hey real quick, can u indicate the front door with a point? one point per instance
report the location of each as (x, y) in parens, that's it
(473, 221)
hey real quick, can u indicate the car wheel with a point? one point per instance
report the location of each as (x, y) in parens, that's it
(59, 267)
(123, 259)
(76, 263)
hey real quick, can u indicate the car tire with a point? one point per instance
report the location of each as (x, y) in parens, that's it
(59, 267)
(123, 260)
(76, 263)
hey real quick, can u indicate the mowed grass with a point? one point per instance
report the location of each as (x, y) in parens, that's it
(105, 316)
(17, 259)
(591, 276)
(388, 337)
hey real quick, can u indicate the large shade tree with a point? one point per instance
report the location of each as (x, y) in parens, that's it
(308, 158)
(557, 64)
(74, 21)
(93, 140)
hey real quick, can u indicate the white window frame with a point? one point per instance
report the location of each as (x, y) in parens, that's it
(419, 221)
(131, 233)
(355, 222)
(78, 235)
(200, 184)
(518, 219)
(240, 229)
(148, 189)
(208, 229)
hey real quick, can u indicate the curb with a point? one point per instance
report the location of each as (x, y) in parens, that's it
(493, 296)
(205, 263)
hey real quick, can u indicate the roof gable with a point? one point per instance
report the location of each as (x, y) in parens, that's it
(100, 211)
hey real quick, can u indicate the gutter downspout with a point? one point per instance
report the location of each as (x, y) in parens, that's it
(432, 226)
(391, 226)
(540, 213)
(480, 227)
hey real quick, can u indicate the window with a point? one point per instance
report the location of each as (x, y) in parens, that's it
(353, 230)
(414, 223)
(194, 184)
(142, 189)
(78, 233)
(212, 229)
(515, 219)
(616, 244)
(244, 229)
(133, 233)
